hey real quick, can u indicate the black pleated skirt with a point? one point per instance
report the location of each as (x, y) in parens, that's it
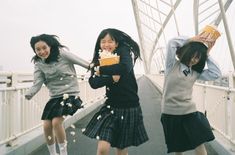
(57, 107)
(120, 127)
(186, 132)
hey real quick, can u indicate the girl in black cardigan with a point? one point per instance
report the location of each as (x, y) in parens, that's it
(119, 123)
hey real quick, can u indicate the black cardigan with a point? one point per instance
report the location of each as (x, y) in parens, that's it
(122, 94)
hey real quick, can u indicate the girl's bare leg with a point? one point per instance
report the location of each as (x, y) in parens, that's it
(200, 150)
(121, 151)
(49, 136)
(103, 148)
(60, 134)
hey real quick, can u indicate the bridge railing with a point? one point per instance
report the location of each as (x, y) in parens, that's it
(19, 116)
(218, 104)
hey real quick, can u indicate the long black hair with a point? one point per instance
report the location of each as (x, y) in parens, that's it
(189, 50)
(121, 38)
(52, 42)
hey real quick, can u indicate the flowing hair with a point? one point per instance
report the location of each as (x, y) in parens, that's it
(52, 42)
(119, 37)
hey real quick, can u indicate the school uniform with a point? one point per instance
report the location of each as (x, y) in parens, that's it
(60, 78)
(120, 120)
(184, 127)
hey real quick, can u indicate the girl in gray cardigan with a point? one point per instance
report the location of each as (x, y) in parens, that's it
(184, 127)
(54, 67)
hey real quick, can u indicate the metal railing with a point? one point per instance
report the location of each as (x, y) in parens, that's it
(19, 116)
(218, 104)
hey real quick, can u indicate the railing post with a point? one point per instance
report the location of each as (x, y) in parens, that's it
(231, 113)
(13, 80)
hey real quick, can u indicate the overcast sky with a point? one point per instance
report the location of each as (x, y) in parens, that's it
(76, 22)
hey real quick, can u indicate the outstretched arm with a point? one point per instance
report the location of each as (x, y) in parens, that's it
(74, 59)
(37, 84)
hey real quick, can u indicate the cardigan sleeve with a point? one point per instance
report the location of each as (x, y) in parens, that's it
(39, 79)
(100, 81)
(74, 59)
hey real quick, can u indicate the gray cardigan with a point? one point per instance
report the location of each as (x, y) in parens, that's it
(177, 91)
(59, 77)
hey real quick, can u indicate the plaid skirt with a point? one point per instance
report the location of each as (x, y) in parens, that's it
(57, 107)
(186, 132)
(118, 126)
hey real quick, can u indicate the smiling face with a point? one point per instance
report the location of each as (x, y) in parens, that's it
(108, 43)
(42, 49)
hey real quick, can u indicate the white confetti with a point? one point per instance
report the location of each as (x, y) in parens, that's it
(108, 106)
(122, 117)
(74, 140)
(112, 112)
(65, 96)
(72, 76)
(49, 138)
(108, 88)
(69, 104)
(72, 133)
(72, 126)
(98, 137)
(93, 76)
(62, 103)
(61, 78)
(84, 129)
(66, 142)
(98, 117)
(66, 85)
(64, 116)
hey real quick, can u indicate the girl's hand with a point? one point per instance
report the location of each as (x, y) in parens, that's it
(116, 78)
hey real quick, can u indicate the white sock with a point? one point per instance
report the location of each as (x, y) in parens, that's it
(63, 148)
(52, 149)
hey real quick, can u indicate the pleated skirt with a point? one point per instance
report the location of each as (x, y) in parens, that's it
(57, 107)
(186, 132)
(120, 127)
